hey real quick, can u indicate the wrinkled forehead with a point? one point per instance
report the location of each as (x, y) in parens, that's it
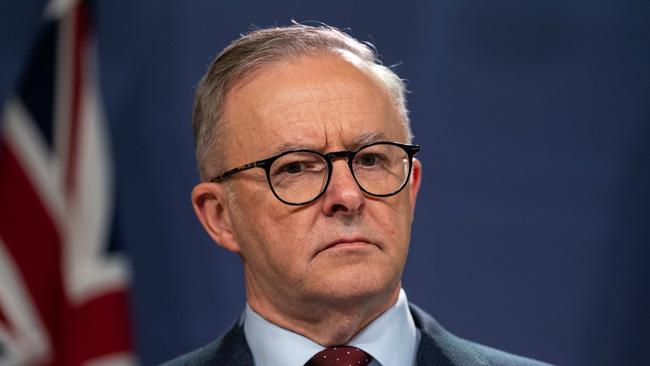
(309, 100)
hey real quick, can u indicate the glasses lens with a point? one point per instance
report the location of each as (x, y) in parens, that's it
(298, 177)
(381, 169)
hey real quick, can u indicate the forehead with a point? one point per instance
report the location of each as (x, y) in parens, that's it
(313, 102)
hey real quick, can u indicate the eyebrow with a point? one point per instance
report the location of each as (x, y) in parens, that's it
(364, 139)
(367, 138)
(288, 146)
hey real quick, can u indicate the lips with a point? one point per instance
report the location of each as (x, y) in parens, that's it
(347, 242)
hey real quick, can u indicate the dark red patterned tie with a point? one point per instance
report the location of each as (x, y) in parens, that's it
(340, 356)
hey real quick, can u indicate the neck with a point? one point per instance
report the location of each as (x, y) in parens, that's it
(328, 323)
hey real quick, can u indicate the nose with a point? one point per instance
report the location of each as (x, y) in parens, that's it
(343, 195)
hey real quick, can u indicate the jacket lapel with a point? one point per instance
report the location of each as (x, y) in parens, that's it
(429, 352)
(437, 346)
(233, 349)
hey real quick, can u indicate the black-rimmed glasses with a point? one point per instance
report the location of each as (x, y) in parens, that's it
(299, 177)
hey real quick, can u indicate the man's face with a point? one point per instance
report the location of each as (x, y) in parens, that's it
(345, 246)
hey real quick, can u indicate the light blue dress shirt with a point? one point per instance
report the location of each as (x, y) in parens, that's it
(392, 339)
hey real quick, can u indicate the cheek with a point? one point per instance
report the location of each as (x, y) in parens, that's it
(275, 237)
(393, 218)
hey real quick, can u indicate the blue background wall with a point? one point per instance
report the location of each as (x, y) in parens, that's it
(532, 227)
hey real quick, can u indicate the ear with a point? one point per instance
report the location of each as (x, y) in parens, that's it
(210, 206)
(416, 179)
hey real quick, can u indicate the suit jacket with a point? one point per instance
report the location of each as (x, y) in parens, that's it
(437, 347)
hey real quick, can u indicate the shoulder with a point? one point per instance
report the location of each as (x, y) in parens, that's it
(202, 356)
(230, 349)
(438, 346)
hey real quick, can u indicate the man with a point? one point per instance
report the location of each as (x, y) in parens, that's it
(308, 173)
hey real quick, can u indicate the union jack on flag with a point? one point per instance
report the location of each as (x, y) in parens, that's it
(63, 286)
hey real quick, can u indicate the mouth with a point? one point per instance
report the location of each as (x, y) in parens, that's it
(348, 243)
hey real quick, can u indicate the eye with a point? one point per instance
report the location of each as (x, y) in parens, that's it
(292, 168)
(298, 164)
(368, 159)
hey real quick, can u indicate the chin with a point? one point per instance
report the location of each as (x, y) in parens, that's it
(355, 285)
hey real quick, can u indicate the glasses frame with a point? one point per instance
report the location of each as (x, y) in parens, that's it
(265, 164)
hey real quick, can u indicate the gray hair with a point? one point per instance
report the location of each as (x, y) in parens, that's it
(263, 47)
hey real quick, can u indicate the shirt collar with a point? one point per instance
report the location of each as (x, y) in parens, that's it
(391, 339)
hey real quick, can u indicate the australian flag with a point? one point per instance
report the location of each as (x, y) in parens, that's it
(63, 286)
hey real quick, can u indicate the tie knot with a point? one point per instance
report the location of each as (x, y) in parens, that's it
(340, 356)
